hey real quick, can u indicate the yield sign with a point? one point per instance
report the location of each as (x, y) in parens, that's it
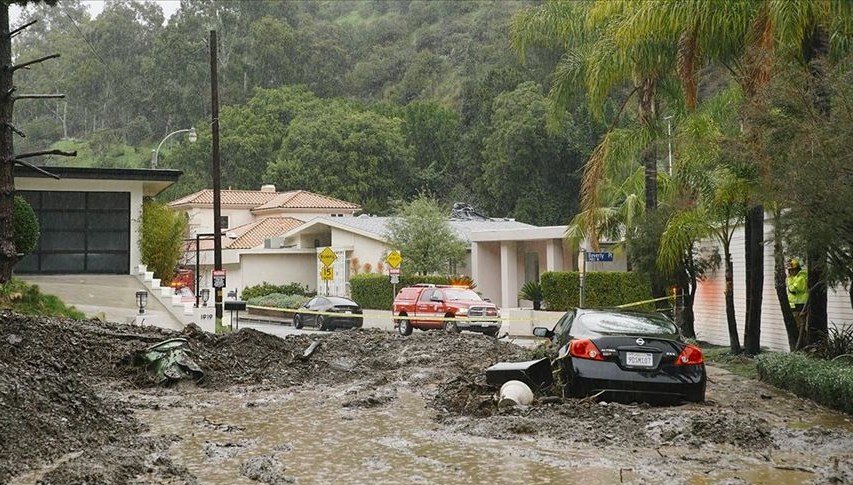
(327, 256)
(394, 259)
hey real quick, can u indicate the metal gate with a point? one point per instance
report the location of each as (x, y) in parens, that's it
(81, 232)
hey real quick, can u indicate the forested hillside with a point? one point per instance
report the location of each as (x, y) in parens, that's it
(371, 101)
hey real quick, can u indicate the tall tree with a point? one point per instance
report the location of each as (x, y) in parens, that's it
(8, 158)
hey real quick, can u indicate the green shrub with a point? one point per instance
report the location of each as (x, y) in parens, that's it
(161, 239)
(279, 300)
(827, 382)
(265, 288)
(375, 291)
(561, 290)
(29, 300)
(26, 226)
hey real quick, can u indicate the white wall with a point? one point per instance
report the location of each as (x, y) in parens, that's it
(201, 219)
(134, 187)
(278, 269)
(710, 309)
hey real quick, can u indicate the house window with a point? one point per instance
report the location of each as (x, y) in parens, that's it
(223, 222)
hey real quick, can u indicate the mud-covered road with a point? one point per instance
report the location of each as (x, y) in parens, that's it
(370, 407)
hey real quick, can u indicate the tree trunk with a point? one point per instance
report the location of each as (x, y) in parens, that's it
(734, 341)
(646, 111)
(754, 229)
(687, 315)
(8, 252)
(816, 317)
(780, 282)
(815, 52)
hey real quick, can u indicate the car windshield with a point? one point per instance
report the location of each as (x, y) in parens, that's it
(453, 294)
(627, 324)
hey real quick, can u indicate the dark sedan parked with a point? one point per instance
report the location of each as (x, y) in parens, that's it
(626, 355)
(343, 313)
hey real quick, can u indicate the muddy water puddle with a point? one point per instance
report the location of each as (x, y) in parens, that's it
(334, 434)
(315, 440)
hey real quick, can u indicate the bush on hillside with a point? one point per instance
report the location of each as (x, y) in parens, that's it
(279, 300)
(561, 290)
(265, 288)
(26, 226)
(825, 381)
(375, 292)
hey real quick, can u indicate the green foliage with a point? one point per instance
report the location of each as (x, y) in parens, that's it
(265, 288)
(278, 300)
(420, 231)
(376, 292)
(838, 342)
(531, 290)
(161, 239)
(26, 226)
(829, 383)
(29, 300)
(561, 290)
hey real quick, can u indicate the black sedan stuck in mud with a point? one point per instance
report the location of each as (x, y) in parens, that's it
(625, 356)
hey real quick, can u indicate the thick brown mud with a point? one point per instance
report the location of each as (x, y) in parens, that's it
(369, 407)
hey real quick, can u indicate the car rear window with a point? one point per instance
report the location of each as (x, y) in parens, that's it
(336, 300)
(603, 323)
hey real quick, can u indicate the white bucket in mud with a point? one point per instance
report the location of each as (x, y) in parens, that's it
(514, 393)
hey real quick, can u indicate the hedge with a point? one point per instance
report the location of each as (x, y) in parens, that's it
(829, 383)
(561, 290)
(374, 291)
(25, 226)
(279, 300)
(265, 288)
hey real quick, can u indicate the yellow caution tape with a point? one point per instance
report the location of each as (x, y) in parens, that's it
(638, 303)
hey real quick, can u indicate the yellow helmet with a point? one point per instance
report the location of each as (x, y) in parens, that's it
(793, 263)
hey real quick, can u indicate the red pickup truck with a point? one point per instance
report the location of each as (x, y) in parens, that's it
(425, 305)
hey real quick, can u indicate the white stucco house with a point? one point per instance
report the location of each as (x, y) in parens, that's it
(89, 218)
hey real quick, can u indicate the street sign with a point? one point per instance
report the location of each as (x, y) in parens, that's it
(327, 256)
(394, 259)
(219, 278)
(394, 271)
(395, 278)
(327, 273)
(599, 257)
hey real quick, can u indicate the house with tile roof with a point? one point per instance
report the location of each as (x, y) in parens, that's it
(276, 237)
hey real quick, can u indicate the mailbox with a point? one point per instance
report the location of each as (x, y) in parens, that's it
(235, 305)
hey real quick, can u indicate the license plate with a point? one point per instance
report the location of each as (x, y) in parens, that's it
(347, 311)
(639, 359)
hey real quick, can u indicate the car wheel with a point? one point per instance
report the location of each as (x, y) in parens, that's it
(321, 323)
(404, 327)
(297, 321)
(451, 327)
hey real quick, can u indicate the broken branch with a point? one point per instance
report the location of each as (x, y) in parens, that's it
(21, 28)
(40, 96)
(15, 130)
(46, 152)
(34, 61)
(37, 169)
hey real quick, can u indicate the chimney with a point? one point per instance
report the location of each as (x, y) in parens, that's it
(268, 188)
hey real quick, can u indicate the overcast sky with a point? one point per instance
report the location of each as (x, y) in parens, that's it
(97, 6)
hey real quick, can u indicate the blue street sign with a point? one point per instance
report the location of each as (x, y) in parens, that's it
(599, 257)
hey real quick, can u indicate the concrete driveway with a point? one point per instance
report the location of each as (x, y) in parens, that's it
(114, 296)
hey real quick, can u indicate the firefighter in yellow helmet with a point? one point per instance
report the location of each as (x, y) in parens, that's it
(798, 291)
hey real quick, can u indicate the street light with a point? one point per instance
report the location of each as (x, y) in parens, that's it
(205, 295)
(193, 136)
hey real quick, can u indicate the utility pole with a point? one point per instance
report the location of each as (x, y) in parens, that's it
(217, 210)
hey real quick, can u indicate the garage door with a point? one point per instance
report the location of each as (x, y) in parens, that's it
(81, 232)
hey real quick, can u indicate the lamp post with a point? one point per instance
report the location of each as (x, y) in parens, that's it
(141, 301)
(193, 136)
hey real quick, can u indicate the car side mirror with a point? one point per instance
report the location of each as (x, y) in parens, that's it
(543, 332)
